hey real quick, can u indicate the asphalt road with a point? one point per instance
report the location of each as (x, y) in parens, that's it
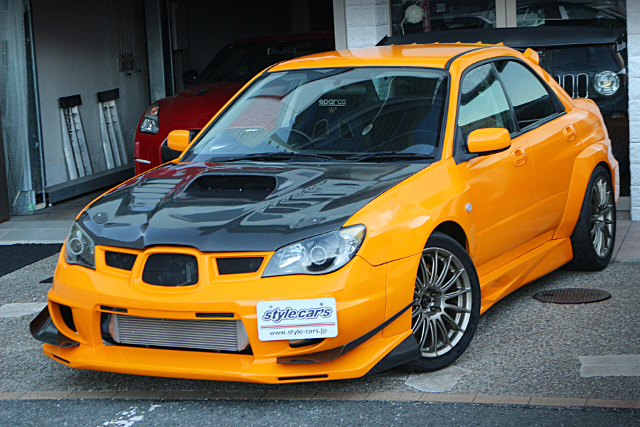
(138, 413)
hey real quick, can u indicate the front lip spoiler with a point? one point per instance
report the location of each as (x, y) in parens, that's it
(43, 329)
(334, 353)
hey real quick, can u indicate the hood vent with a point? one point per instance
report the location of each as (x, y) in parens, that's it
(150, 193)
(322, 192)
(245, 188)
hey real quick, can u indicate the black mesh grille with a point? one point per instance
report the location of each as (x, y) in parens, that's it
(120, 260)
(171, 270)
(239, 265)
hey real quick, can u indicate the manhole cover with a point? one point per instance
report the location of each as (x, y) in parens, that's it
(572, 296)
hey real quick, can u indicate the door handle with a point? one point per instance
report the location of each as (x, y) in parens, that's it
(570, 133)
(519, 157)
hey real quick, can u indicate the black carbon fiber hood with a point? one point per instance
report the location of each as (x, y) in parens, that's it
(237, 207)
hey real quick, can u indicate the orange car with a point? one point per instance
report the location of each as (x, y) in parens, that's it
(344, 213)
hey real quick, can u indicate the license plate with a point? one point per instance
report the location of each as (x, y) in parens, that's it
(297, 319)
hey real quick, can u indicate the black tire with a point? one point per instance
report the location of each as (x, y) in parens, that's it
(429, 311)
(587, 255)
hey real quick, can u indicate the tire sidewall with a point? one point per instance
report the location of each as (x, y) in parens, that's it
(591, 260)
(424, 364)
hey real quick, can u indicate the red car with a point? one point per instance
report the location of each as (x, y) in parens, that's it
(227, 72)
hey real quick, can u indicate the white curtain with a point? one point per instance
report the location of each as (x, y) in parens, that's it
(14, 104)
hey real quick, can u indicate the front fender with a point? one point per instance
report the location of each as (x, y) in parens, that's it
(400, 220)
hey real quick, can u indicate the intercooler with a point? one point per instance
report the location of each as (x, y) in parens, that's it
(209, 335)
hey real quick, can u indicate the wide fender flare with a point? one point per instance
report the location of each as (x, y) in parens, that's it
(585, 163)
(400, 221)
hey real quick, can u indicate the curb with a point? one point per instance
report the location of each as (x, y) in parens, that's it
(484, 399)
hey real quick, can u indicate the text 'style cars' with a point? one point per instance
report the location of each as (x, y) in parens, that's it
(347, 212)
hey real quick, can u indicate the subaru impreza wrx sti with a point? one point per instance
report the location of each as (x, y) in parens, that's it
(344, 213)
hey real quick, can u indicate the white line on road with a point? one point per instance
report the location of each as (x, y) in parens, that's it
(610, 366)
(21, 309)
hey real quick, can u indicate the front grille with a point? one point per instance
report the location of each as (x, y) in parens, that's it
(120, 260)
(239, 265)
(171, 270)
(576, 85)
(210, 335)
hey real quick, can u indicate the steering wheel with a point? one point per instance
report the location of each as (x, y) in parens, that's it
(310, 139)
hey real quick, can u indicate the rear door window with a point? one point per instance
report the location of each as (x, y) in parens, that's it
(531, 100)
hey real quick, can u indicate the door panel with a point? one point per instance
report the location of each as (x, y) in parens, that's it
(501, 183)
(502, 194)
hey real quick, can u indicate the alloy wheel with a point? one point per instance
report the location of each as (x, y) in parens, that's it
(442, 302)
(601, 218)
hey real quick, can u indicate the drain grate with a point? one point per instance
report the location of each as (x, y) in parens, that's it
(572, 296)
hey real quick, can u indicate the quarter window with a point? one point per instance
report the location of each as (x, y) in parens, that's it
(530, 99)
(483, 103)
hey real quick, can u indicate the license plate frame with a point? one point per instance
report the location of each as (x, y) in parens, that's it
(297, 319)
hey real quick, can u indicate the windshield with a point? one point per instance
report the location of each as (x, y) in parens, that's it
(336, 113)
(242, 61)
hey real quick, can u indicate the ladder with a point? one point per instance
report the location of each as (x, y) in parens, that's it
(112, 139)
(74, 143)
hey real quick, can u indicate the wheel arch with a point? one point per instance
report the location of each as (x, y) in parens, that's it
(591, 157)
(455, 231)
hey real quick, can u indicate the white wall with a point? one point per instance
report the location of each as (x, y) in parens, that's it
(76, 46)
(633, 38)
(367, 22)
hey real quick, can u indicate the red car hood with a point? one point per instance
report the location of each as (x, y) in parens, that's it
(197, 102)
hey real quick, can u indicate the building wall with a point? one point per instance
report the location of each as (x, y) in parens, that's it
(76, 43)
(367, 22)
(633, 38)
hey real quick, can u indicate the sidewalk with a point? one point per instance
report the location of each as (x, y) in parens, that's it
(52, 226)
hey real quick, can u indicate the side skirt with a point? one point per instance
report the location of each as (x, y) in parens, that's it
(500, 282)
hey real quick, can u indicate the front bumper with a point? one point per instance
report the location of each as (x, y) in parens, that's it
(372, 321)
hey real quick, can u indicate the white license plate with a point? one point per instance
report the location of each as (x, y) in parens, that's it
(297, 319)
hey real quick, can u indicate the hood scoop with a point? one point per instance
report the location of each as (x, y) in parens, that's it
(150, 192)
(233, 188)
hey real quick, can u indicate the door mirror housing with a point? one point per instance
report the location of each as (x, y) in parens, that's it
(190, 77)
(488, 140)
(178, 140)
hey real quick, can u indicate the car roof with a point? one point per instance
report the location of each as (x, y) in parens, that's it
(431, 55)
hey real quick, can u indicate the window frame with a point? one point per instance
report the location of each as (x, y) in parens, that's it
(460, 153)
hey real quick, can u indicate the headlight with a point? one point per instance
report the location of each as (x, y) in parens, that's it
(606, 83)
(150, 121)
(317, 255)
(80, 248)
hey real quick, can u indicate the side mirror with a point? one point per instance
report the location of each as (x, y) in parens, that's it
(178, 140)
(190, 77)
(488, 140)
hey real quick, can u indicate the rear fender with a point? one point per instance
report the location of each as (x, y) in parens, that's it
(586, 162)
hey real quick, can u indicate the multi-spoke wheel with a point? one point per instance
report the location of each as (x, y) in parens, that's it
(446, 303)
(593, 237)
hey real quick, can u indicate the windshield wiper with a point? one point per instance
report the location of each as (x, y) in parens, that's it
(276, 155)
(390, 155)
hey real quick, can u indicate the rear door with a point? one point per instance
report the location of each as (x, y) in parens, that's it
(552, 138)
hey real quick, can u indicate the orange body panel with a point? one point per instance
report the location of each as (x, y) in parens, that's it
(517, 209)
